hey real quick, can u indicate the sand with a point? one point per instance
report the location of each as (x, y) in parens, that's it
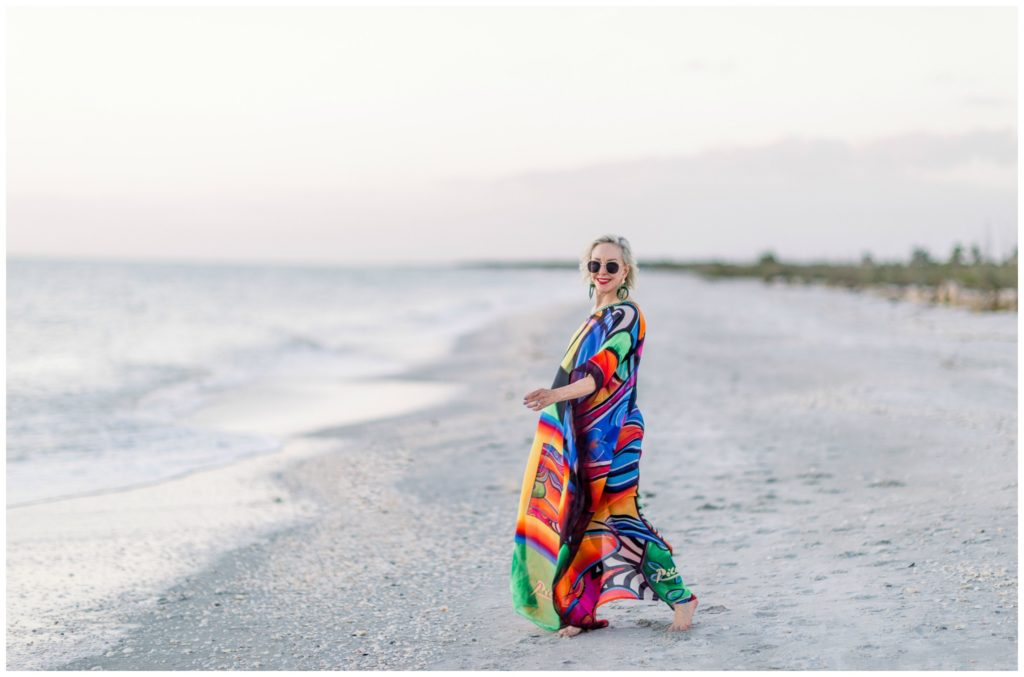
(77, 568)
(837, 474)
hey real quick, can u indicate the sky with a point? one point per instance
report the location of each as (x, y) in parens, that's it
(353, 134)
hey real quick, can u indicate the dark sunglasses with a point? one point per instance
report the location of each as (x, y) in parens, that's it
(595, 267)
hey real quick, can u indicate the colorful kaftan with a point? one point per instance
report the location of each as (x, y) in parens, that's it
(581, 539)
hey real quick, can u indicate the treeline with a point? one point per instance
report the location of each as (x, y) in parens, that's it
(965, 277)
(973, 272)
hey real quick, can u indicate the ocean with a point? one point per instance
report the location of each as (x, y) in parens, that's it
(107, 360)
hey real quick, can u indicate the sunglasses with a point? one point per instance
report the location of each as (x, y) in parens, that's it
(595, 267)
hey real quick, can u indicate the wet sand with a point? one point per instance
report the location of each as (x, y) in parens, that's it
(837, 474)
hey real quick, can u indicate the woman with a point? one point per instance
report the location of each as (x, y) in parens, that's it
(581, 540)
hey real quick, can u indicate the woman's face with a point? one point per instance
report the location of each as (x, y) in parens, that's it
(602, 279)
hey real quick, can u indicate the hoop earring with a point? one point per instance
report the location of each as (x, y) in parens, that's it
(622, 292)
(591, 290)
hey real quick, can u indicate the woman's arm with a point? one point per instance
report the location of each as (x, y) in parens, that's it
(542, 397)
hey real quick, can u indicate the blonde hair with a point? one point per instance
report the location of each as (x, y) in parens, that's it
(627, 258)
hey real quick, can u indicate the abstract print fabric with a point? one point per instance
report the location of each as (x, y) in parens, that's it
(581, 539)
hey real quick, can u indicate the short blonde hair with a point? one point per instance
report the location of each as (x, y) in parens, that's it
(627, 258)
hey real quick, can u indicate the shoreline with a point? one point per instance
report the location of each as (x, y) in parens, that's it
(363, 486)
(948, 292)
(157, 534)
(118, 548)
(834, 472)
(229, 409)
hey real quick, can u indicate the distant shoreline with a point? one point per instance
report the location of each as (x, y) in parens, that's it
(983, 286)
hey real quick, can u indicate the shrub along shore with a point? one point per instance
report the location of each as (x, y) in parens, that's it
(980, 283)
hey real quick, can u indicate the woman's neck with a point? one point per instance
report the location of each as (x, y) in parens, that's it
(606, 299)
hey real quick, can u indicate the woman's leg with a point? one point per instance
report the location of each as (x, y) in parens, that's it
(644, 550)
(663, 576)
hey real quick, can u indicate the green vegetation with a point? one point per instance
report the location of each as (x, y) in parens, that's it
(972, 280)
(921, 269)
(980, 282)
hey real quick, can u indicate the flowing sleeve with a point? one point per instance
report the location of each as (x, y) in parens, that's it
(611, 357)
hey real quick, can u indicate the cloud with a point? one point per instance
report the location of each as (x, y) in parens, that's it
(933, 151)
(802, 197)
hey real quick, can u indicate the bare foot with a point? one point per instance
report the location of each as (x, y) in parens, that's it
(684, 615)
(569, 631)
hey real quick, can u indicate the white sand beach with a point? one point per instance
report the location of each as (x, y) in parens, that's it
(836, 472)
(77, 565)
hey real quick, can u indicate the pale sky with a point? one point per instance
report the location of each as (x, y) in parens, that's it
(346, 133)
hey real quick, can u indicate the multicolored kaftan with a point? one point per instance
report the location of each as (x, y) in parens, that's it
(581, 540)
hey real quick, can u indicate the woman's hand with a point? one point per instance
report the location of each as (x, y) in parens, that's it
(539, 398)
(542, 397)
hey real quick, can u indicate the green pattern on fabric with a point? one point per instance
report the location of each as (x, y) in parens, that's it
(524, 597)
(662, 574)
